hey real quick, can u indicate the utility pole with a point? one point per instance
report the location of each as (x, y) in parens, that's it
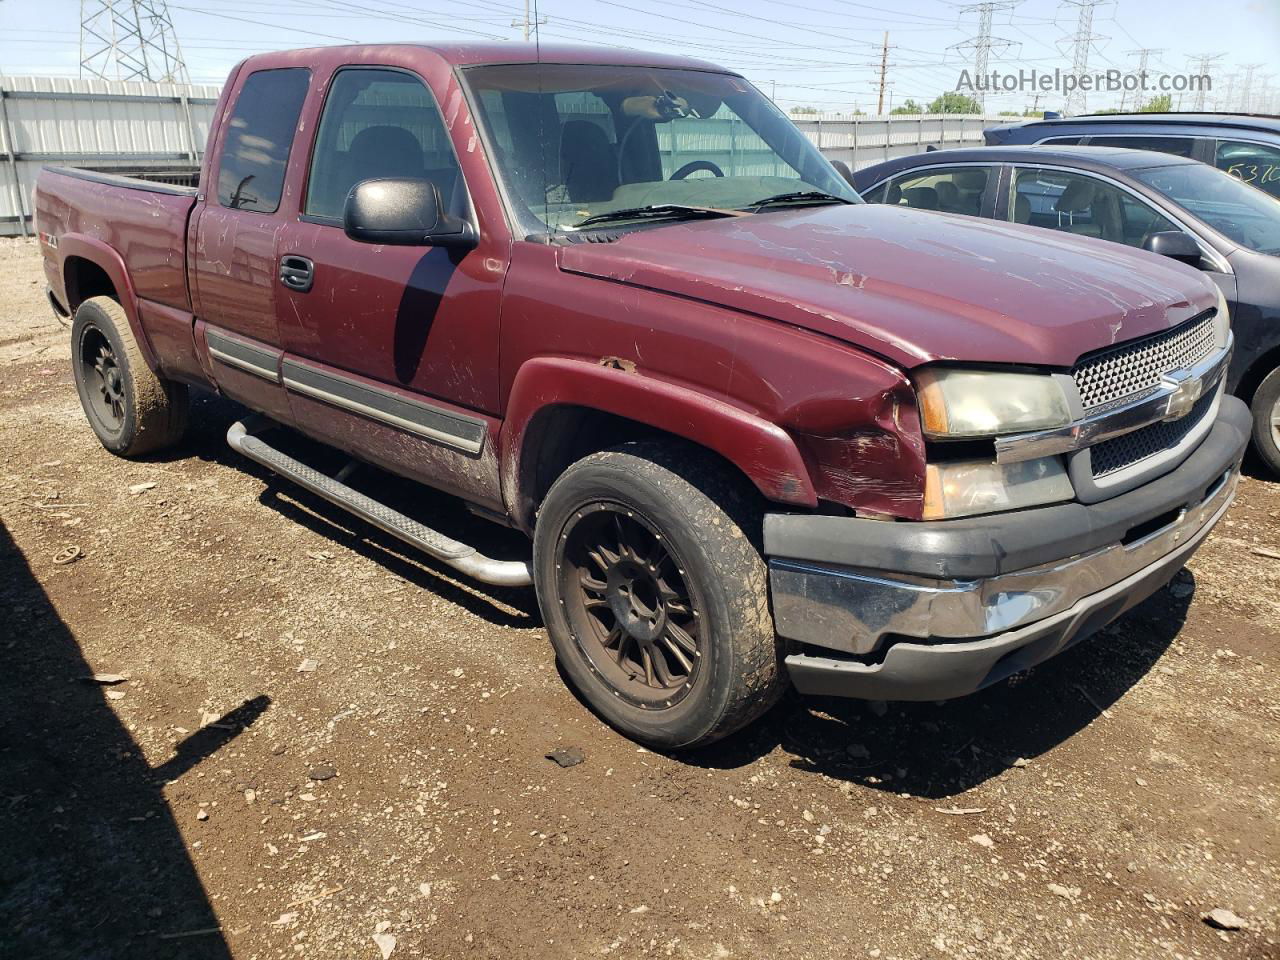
(1144, 55)
(1201, 69)
(529, 23)
(1081, 43)
(884, 70)
(130, 40)
(983, 42)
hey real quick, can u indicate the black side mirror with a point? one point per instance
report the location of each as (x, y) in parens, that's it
(1174, 244)
(403, 212)
(844, 170)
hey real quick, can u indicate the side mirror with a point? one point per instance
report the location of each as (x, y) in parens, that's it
(403, 212)
(1174, 244)
(844, 170)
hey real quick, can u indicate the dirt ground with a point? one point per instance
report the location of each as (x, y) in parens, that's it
(227, 801)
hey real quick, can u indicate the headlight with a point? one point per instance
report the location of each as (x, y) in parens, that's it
(1222, 321)
(964, 488)
(984, 403)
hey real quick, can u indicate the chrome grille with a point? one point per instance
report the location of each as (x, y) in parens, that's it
(1112, 456)
(1135, 368)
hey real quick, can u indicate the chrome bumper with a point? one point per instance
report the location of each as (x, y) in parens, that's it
(934, 610)
(855, 610)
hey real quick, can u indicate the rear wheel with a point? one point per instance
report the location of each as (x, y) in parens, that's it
(131, 409)
(1266, 420)
(654, 596)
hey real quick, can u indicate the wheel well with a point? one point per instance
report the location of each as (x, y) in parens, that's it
(85, 280)
(1256, 373)
(560, 436)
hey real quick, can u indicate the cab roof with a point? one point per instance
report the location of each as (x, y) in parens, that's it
(475, 54)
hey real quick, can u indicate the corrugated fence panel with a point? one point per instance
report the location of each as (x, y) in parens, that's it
(103, 124)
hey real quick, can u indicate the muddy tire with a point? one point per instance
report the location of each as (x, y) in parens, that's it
(655, 594)
(132, 411)
(1266, 420)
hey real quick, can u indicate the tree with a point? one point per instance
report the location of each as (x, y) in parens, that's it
(806, 111)
(907, 106)
(1160, 104)
(954, 102)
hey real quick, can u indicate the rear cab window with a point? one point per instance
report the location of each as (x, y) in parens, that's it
(1254, 163)
(258, 138)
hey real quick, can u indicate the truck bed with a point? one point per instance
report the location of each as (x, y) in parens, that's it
(143, 221)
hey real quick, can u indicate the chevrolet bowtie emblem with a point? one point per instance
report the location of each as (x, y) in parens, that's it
(1184, 390)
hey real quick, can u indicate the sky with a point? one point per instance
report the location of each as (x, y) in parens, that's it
(824, 54)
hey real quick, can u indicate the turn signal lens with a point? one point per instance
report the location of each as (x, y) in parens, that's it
(966, 488)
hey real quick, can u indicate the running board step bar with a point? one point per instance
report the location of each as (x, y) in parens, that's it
(464, 559)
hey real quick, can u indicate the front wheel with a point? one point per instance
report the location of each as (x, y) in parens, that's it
(654, 596)
(1266, 420)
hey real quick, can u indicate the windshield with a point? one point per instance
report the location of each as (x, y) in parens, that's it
(1240, 212)
(573, 142)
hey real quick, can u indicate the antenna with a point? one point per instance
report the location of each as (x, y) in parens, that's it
(130, 40)
(982, 43)
(1082, 42)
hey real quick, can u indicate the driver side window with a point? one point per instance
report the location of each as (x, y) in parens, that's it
(379, 123)
(1084, 205)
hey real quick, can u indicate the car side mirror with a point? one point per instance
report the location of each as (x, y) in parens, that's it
(1174, 244)
(403, 212)
(844, 170)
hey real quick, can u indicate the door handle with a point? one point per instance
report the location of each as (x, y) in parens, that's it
(297, 273)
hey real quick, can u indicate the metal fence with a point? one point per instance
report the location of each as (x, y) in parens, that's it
(155, 129)
(159, 130)
(862, 141)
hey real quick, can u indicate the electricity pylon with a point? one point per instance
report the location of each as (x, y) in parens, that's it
(130, 40)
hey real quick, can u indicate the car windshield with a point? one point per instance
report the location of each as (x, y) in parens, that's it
(1240, 212)
(573, 142)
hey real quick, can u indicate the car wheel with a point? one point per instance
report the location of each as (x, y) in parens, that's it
(1266, 420)
(131, 410)
(654, 595)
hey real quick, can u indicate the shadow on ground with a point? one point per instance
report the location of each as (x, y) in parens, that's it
(939, 750)
(94, 867)
(929, 750)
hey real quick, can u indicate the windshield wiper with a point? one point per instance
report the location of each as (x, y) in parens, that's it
(800, 196)
(658, 211)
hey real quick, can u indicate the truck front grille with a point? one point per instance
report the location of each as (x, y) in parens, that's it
(1136, 368)
(1112, 456)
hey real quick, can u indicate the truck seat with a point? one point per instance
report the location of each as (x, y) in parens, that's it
(588, 164)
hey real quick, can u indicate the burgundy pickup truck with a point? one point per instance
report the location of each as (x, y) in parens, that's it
(759, 433)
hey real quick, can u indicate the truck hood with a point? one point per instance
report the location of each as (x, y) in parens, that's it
(909, 285)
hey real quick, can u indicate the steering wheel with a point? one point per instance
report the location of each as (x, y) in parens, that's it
(693, 166)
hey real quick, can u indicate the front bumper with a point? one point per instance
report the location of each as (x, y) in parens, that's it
(931, 611)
